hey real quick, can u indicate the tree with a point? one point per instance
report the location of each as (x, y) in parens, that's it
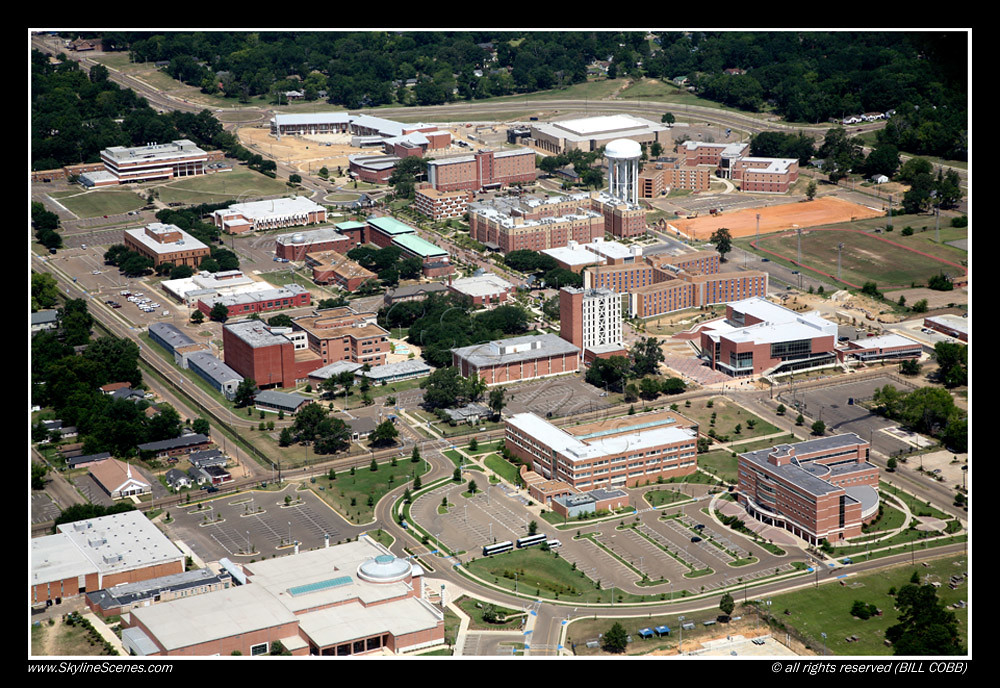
(286, 438)
(926, 627)
(818, 427)
(307, 421)
(646, 357)
(723, 241)
(38, 471)
(473, 488)
(497, 401)
(444, 387)
(727, 604)
(331, 435)
(615, 639)
(909, 367)
(667, 118)
(532, 528)
(811, 189)
(245, 392)
(384, 435)
(197, 317)
(952, 360)
(609, 373)
(219, 313)
(415, 456)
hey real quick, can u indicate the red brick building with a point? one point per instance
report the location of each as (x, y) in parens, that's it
(330, 267)
(271, 357)
(163, 243)
(296, 245)
(517, 358)
(818, 489)
(86, 556)
(441, 205)
(758, 337)
(484, 169)
(607, 454)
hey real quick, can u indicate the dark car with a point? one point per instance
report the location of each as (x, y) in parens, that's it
(695, 539)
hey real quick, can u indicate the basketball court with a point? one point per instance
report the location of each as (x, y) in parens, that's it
(742, 223)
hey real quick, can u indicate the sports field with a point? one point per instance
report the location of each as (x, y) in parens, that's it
(864, 257)
(742, 223)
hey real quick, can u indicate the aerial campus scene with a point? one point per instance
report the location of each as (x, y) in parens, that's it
(500, 344)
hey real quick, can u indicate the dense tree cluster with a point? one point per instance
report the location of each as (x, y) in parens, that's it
(69, 384)
(366, 69)
(927, 410)
(642, 364)
(442, 322)
(544, 267)
(926, 627)
(388, 263)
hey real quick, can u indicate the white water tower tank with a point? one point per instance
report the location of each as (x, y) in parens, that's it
(623, 169)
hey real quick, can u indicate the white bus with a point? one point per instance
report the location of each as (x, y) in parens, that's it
(529, 540)
(498, 548)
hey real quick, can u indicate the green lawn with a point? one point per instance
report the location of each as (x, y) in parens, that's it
(660, 497)
(474, 609)
(916, 506)
(503, 468)
(345, 487)
(868, 257)
(727, 416)
(101, 202)
(720, 463)
(219, 187)
(545, 574)
(826, 609)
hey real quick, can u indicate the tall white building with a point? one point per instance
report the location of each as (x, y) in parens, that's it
(591, 319)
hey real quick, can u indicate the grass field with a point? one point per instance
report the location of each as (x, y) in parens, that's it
(504, 469)
(826, 609)
(222, 186)
(864, 257)
(365, 483)
(727, 416)
(101, 202)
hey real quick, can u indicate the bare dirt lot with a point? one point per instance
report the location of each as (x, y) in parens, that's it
(308, 154)
(741, 223)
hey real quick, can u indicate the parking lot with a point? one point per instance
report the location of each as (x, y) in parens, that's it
(660, 548)
(561, 396)
(258, 524)
(831, 405)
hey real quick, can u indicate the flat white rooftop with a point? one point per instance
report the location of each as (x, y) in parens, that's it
(883, 342)
(574, 255)
(276, 207)
(576, 449)
(185, 243)
(601, 126)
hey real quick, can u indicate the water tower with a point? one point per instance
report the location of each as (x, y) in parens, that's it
(623, 169)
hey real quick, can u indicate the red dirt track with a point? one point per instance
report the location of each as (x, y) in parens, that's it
(741, 223)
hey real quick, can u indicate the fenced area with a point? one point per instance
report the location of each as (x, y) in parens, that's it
(744, 223)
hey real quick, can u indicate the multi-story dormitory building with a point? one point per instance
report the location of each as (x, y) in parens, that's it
(819, 489)
(661, 284)
(482, 170)
(539, 223)
(695, 163)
